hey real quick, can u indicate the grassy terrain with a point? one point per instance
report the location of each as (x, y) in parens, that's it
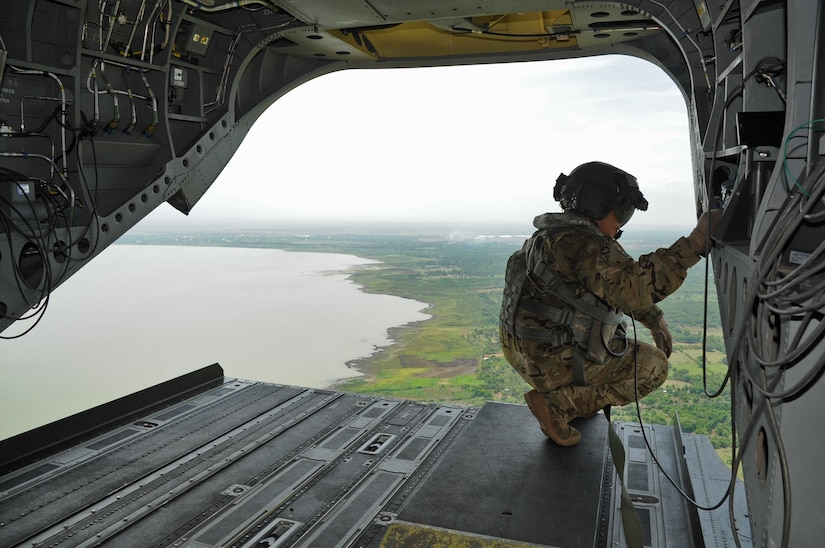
(455, 356)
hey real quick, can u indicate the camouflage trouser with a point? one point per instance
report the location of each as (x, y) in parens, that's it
(550, 371)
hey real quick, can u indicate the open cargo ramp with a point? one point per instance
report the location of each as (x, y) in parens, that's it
(204, 461)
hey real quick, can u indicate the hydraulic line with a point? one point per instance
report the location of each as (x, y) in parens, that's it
(150, 129)
(63, 103)
(131, 96)
(139, 17)
(92, 79)
(113, 123)
(112, 19)
(92, 87)
(71, 196)
(166, 22)
(18, 134)
(228, 5)
(146, 31)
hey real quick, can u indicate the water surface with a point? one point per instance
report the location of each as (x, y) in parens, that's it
(139, 315)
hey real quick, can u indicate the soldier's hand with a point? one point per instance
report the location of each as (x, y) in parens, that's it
(705, 226)
(662, 337)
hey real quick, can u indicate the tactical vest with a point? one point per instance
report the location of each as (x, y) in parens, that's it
(590, 323)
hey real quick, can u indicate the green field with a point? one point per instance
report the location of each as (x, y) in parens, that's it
(455, 356)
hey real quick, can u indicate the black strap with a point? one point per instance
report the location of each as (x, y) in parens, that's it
(579, 358)
(561, 316)
(552, 283)
(553, 337)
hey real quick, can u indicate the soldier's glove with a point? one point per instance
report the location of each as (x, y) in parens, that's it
(706, 225)
(662, 337)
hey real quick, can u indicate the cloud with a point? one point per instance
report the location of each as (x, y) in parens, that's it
(428, 143)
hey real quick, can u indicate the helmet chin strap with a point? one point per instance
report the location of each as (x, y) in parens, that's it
(618, 234)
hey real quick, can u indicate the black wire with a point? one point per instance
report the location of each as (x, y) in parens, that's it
(48, 119)
(684, 495)
(736, 92)
(705, 338)
(736, 458)
(8, 225)
(59, 213)
(39, 235)
(37, 240)
(763, 407)
(783, 466)
(40, 230)
(92, 202)
(777, 240)
(748, 343)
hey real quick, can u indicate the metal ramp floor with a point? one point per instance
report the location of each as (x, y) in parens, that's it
(204, 461)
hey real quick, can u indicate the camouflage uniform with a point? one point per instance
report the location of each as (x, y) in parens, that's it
(587, 260)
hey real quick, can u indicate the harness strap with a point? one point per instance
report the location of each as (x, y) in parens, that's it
(555, 338)
(563, 316)
(630, 518)
(579, 357)
(552, 283)
(584, 316)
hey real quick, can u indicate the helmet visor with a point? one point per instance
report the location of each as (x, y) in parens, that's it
(624, 211)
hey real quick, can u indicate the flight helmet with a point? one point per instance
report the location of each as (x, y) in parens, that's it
(595, 189)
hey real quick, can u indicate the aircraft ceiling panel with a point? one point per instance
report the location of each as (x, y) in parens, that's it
(599, 23)
(437, 9)
(356, 13)
(333, 14)
(307, 42)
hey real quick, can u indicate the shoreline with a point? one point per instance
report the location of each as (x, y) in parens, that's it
(262, 317)
(368, 366)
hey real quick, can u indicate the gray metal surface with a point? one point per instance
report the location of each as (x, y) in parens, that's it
(250, 464)
(710, 480)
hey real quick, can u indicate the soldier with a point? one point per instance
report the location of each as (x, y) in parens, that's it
(566, 293)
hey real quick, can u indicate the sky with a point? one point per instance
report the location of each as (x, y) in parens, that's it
(472, 144)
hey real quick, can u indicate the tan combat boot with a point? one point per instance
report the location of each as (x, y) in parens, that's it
(552, 423)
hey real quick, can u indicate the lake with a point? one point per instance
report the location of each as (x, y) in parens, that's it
(138, 315)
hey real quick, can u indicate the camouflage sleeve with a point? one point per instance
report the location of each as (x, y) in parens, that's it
(649, 316)
(602, 266)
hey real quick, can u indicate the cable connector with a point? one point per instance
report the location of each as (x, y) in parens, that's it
(88, 131)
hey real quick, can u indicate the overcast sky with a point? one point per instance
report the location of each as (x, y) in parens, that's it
(457, 144)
